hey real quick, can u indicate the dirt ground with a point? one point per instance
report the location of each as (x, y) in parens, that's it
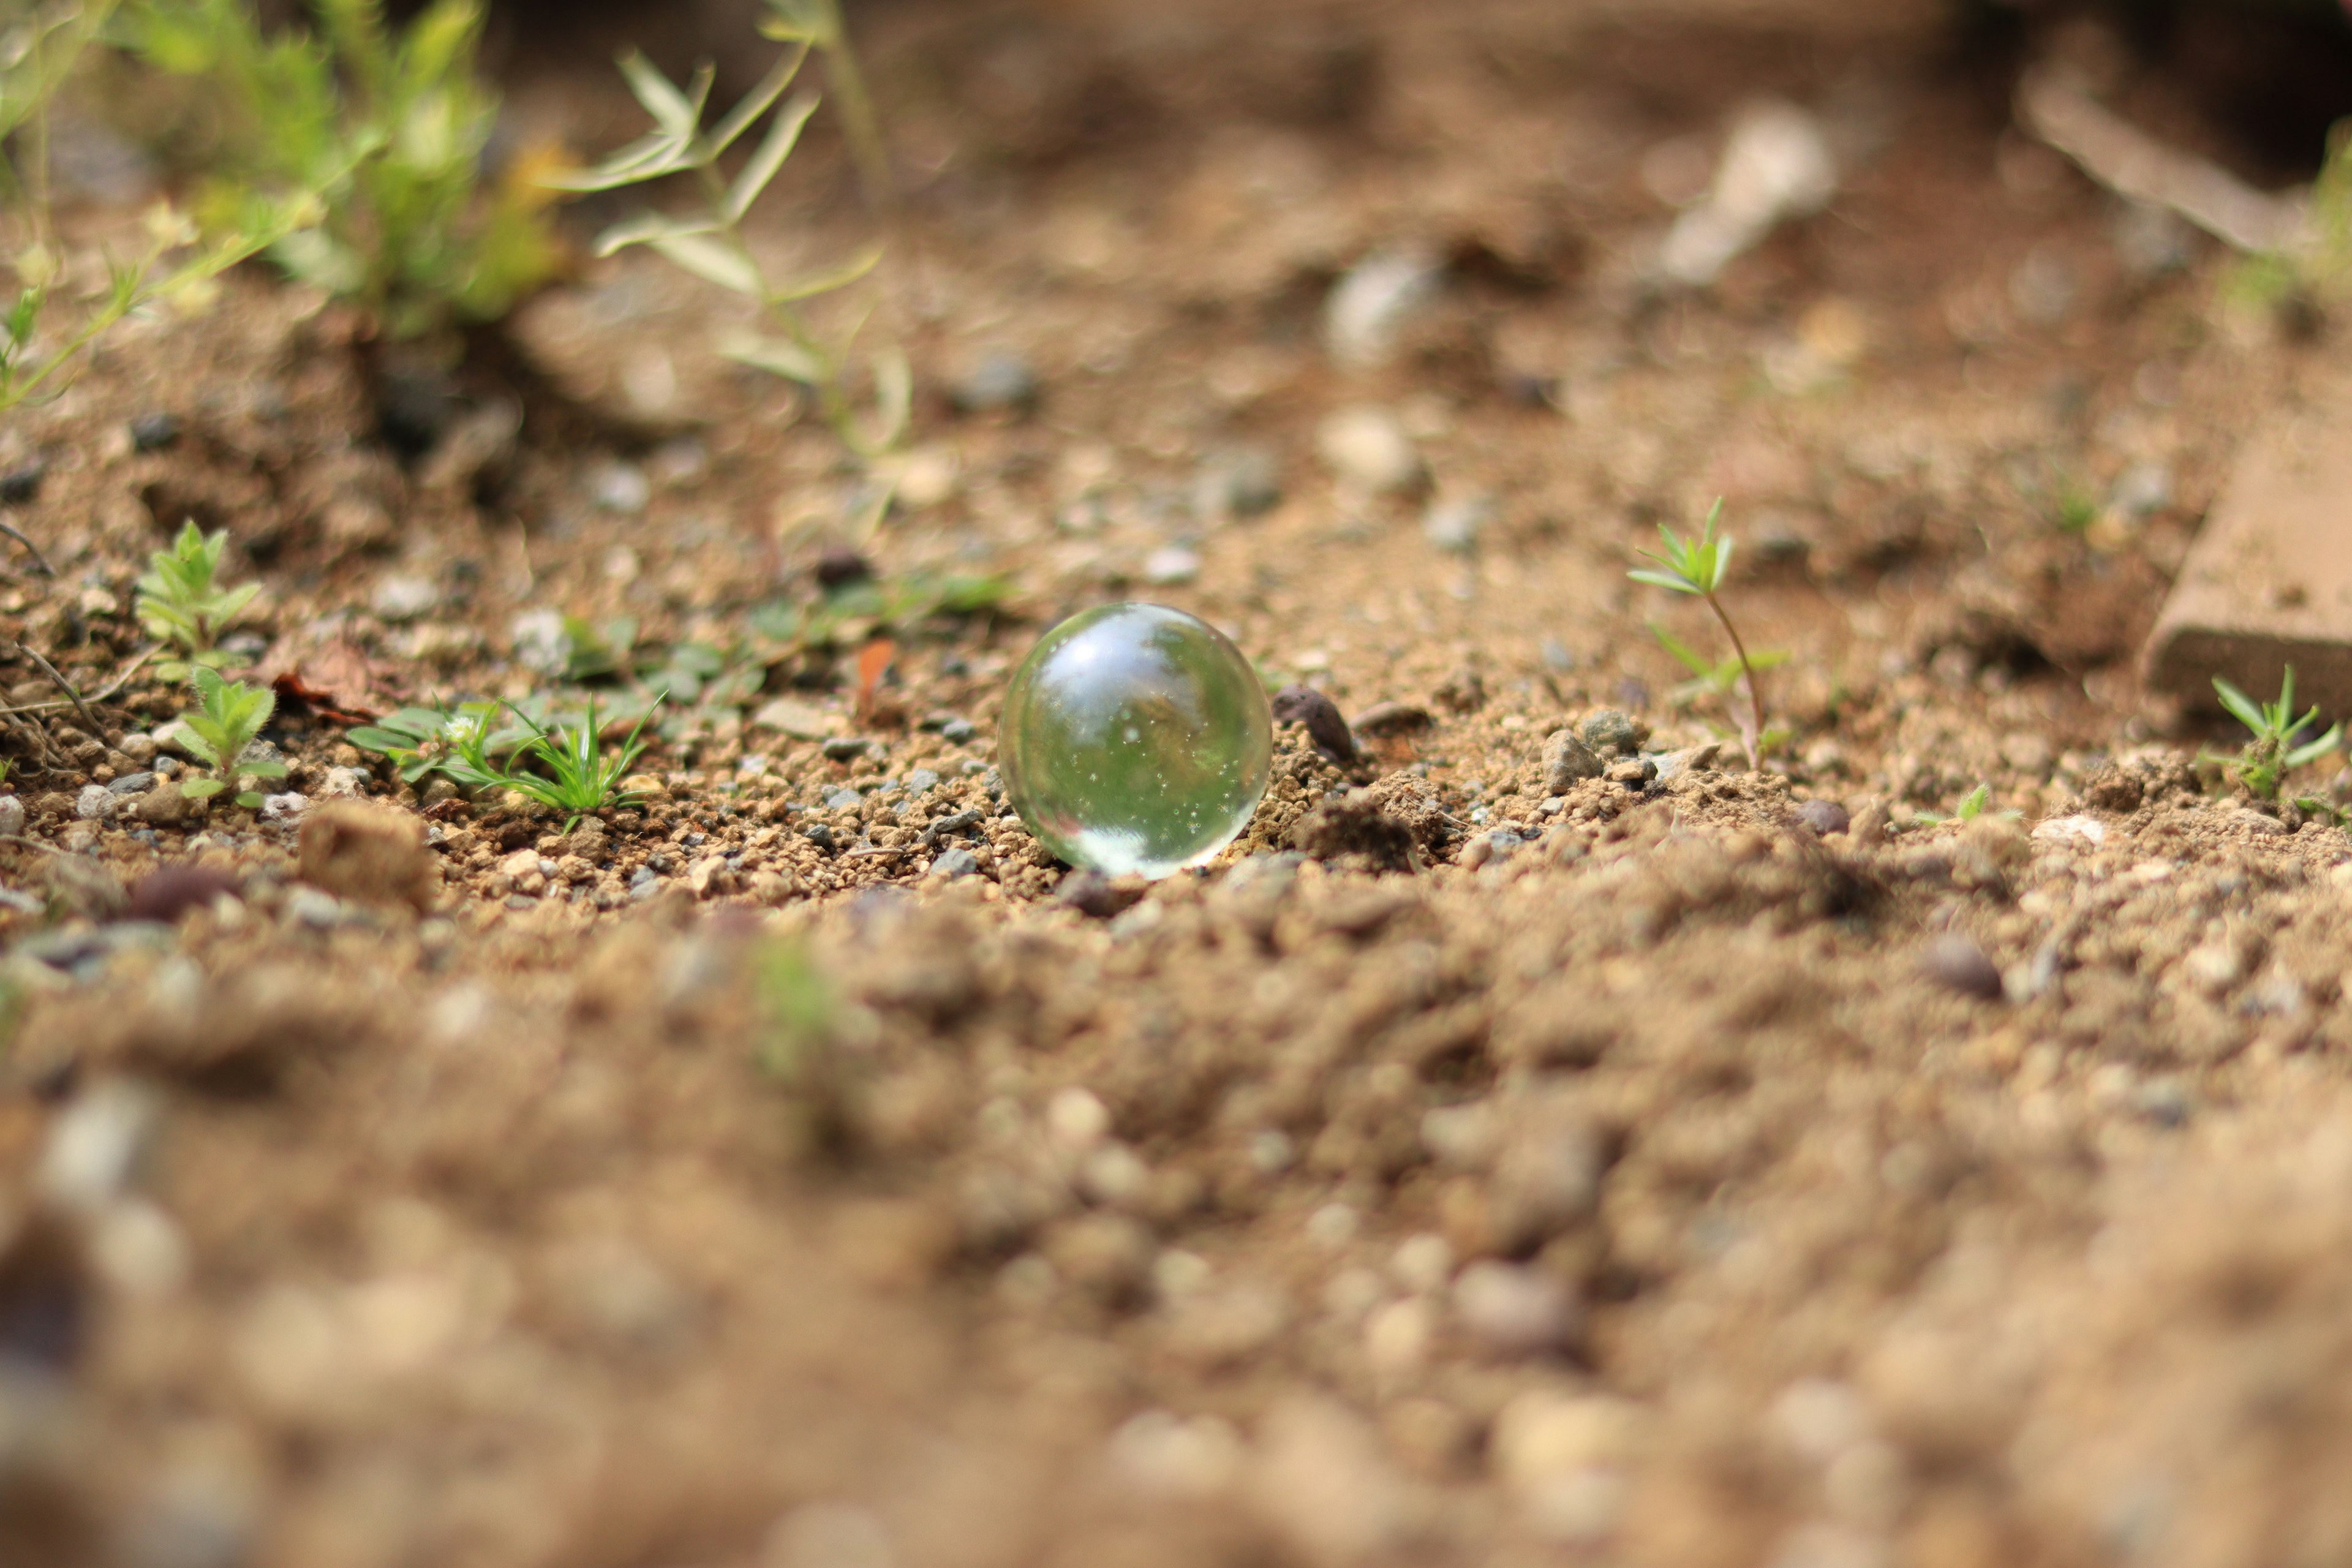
(1655, 1170)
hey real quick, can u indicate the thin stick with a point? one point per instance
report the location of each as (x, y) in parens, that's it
(31, 548)
(65, 686)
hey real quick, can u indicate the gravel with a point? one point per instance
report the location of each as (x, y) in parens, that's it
(1956, 963)
(1825, 816)
(1568, 760)
(1367, 448)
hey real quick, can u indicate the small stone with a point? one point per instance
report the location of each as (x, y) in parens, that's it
(1632, 772)
(1689, 760)
(1306, 706)
(958, 731)
(22, 484)
(170, 891)
(287, 807)
(153, 432)
(1956, 963)
(1170, 565)
(954, 863)
(12, 816)
(96, 1144)
(822, 836)
(368, 853)
(311, 907)
(847, 748)
(1823, 816)
(1453, 526)
(1610, 729)
(797, 720)
(1368, 308)
(404, 597)
(1365, 447)
(1099, 897)
(711, 876)
(96, 803)
(621, 488)
(839, 567)
(1076, 1119)
(1511, 1311)
(841, 797)
(1001, 382)
(133, 783)
(141, 749)
(1568, 760)
(1242, 483)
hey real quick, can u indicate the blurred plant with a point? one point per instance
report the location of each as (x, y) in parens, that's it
(181, 602)
(1698, 567)
(40, 52)
(226, 722)
(711, 244)
(391, 132)
(799, 1007)
(856, 612)
(421, 740)
(2318, 270)
(2274, 751)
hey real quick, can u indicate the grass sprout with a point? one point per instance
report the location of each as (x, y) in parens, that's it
(2273, 751)
(224, 725)
(710, 244)
(1972, 806)
(578, 777)
(181, 600)
(1699, 567)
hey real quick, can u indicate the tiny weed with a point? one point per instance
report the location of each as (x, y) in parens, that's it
(1972, 806)
(579, 777)
(390, 130)
(2274, 751)
(2317, 271)
(855, 612)
(711, 244)
(1698, 567)
(800, 1006)
(421, 740)
(226, 722)
(181, 602)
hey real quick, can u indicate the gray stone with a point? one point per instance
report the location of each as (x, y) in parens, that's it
(1001, 381)
(404, 597)
(920, 780)
(841, 798)
(1246, 481)
(1825, 816)
(1453, 525)
(1568, 760)
(1610, 729)
(133, 783)
(954, 863)
(1368, 307)
(1956, 963)
(95, 804)
(844, 748)
(1170, 565)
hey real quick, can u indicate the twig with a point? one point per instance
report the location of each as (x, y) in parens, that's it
(2129, 162)
(65, 686)
(31, 548)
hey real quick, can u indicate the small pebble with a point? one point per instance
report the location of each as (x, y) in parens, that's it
(621, 488)
(1632, 771)
(1306, 706)
(958, 731)
(920, 780)
(1956, 963)
(846, 748)
(1453, 526)
(838, 568)
(1001, 381)
(1825, 816)
(840, 797)
(1610, 729)
(404, 597)
(1385, 719)
(1367, 448)
(1512, 1311)
(818, 834)
(1243, 482)
(153, 432)
(1096, 895)
(96, 803)
(170, 891)
(22, 484)
(1170, 565)
(1567, 761)
(953, 864)
(133, 783)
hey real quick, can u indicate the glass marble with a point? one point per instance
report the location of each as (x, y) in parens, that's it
(1135, 738)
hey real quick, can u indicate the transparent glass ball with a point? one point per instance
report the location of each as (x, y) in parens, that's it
(1135, 738)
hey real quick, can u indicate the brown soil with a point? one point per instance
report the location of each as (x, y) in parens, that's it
(1675, 1179)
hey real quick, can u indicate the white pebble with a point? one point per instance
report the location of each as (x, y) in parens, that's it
(1076, 1119)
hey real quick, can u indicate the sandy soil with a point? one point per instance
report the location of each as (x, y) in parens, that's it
(1685, 1165)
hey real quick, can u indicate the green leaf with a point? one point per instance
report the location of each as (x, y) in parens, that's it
(774, 355)
(669, 108)
(1676, 580)
(773, 149)
(2313, 750)
(201, 789)
(755, 103)
(646, 230)
(2241, 706)
(262, 767)
(712, 262)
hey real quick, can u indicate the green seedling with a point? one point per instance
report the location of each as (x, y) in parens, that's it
(421, 740)
(579, 777)
(390, 130)
(180, 601)
(799, 1007)
(2316, 269)
(1972, 806)
(710, 244)
(223, 726)
(855, 611)
(1698, 567)
(2274, 751)
(46, 326)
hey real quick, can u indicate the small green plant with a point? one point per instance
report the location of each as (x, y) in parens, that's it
(2274, 751)
(390, 130)
(421, 740)
(711, 245)
(180, 601)
(226, 722)
(2317, 270)
(579, 777)
(48, 326)
(799, 1007)
(1972, 806)
(1698, 567)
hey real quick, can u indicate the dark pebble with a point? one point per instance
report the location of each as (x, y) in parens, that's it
(20, 485)
(955, 863)
(1825, 816)
(840, 568)
(842, 747)
(1956, 963)
(1328, 730)
(958, 731)
(1612, 730)
(170, 891)
(818, 834)
(1096, 895)
(1001, 381)
(153, 432)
